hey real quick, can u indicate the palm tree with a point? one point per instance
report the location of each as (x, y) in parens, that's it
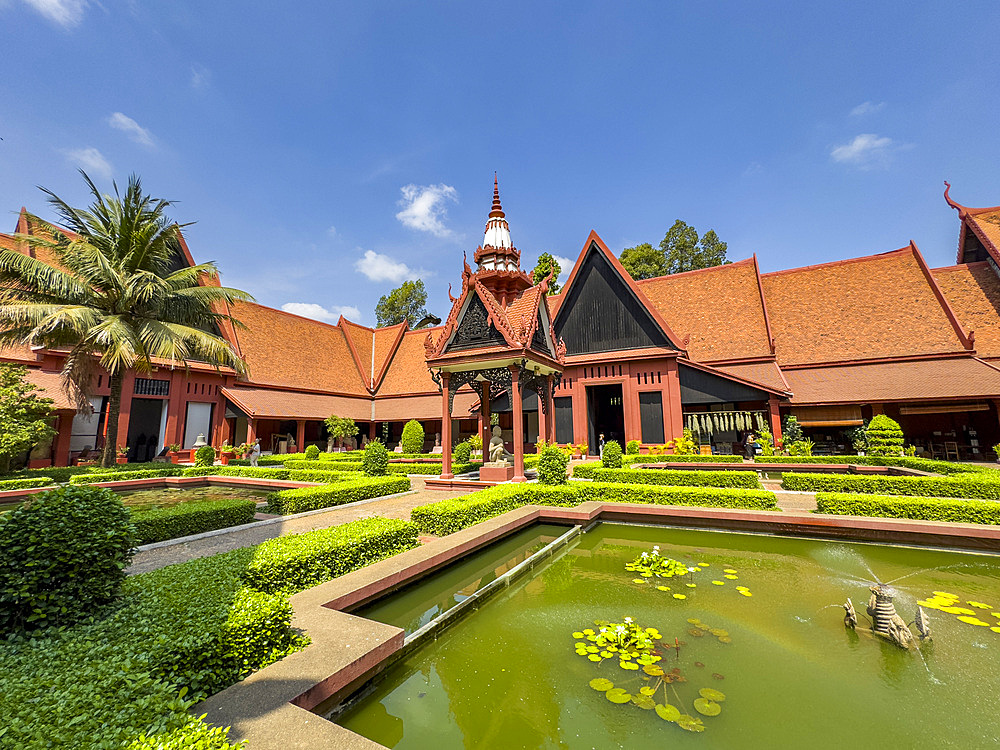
(113, 295)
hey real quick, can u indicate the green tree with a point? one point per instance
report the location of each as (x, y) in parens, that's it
(644, 261)
(114, 296)
(24, 415)
(340, 427)
(412, 439)
(546, 263)
(683, 251)
(404, 303)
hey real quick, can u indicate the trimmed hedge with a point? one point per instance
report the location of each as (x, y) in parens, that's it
(185, 630)
(160, 524)
(262, 461)
(684, 459)
(122, 476)
(920, 464)
(612, 456)
(25, 484)
(675, 478)
(448, 516)
(287, 502)
(922, 508)
(964, 486)
(254, 472)
(302, 560)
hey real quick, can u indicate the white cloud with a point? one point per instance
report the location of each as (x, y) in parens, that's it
(866, 150)
(565, 265)
(379, 267)
(867, 108)
(66, 13)
(318, 312)
(131, 128)
(332, 231)
(424, 207)
(90, 160)
(201, 76)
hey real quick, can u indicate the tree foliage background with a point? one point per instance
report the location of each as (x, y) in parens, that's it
(24, 415)
(680, 250)
(546, 263)
(405, 302)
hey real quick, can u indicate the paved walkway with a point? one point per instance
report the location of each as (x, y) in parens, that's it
(393, 507)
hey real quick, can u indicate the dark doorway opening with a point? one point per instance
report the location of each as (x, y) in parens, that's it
(144, 429)
(605, 414)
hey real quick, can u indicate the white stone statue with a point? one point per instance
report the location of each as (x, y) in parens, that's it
(498, 453)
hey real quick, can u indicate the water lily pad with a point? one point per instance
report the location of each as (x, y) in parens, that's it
(605, 654)
(945, 594)
(957, 611)
(646, 574)
(725, 639)
(703, 565)
(696, 632)
(691, 585)
(644, 702)
(746, 593)
(974, 621)
(667, 712)
(594, 657)
(653, 670)
(578, 634)
(638, 580)
(731, 577)
(690, 723)
(729, 570)
(628, 665)
(592, 649)
(717, 676)
(680, 596)
(647, 690)
(995, 628)
(712, 694)
(618, 695)
(699, 664)
(707, 707)
(694, 620)
(929, 604)
(718, 631)
(663, 588)
(719, 583)
(980, 605)
(601, 684)
(588, 631)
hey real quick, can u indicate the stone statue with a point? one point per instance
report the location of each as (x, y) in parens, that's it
(497, 451)
(850, 616)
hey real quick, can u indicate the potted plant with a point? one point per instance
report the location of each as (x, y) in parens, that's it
(996, 449)
(226, 452)
(122, 454)
(175, 455)
(581, 450)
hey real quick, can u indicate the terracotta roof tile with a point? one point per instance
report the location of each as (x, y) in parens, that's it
(765, 373)
(867, 308)
(408, 371)
(988, 225)
(973, 290)
(385, 345)
(267, 403)
(959, 377)
(362, 340)
(398, 408)
(719, 307)
(50, 385)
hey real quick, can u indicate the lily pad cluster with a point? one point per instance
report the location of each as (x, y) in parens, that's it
(633, 646)
(699, 629)
(952, 604)
(654, 565)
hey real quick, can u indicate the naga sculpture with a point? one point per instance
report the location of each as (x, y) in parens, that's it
(886, 622)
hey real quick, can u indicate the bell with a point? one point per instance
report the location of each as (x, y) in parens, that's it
(200, 441)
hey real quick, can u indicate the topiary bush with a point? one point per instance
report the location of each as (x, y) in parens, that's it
(462, 453)
(884, 436)
(63, 555)
(612, 456)
(552, 465)
(632, 447)
(204, 456)
(375, 462)
(312, 453)
(413, 437)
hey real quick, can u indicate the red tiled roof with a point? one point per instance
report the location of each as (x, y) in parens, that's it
(866, 308)
(50, 385)
(987, 226)
(408, 371)
(765, 373)
(973, 289)
(398, 408)
(951, 378)
(719, 307)
(270, 403)
(362, 339)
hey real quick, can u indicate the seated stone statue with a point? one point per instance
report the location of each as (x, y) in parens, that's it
(497, 452)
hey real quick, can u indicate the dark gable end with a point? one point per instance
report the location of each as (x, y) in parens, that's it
(601, 313)
(474, 329)
(700, 387)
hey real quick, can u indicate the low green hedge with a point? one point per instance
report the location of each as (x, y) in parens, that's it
(160, 524)
(302, 560)
(448, 516)
(921, 508)
(287, 502)
(393, 468)
(958, 486)
(254, 472)
(669, 458)
(179, 634)
(261, 461)
(920, 464)
(121, 476)
(747, 480)
(25, 484)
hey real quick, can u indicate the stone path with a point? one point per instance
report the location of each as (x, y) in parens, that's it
(392, 507)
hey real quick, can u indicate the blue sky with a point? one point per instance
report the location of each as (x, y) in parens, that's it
(327, 151)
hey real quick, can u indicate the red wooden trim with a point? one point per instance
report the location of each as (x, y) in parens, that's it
(832, 263)
(763, 305)
(354, 354)
(392, 352)
(967, 339)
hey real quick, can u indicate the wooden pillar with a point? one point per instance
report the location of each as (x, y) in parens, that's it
(550, 436)
(128, 389)
(515, 400)
(371, 430)
(175, 409)
(579, 393)
(251, 431)
(673, 415)
(484, 424)
(60, 445)
(775, 418)
(878, 409)
(300, 434)
(446, 427)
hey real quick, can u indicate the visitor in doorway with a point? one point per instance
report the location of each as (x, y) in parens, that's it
(600, 445)
(750, 446)
(255, 452)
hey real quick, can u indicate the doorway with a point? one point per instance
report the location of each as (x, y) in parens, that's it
(605, 414)
(144, 424)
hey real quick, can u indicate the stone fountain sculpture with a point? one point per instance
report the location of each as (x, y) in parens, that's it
(886, 622)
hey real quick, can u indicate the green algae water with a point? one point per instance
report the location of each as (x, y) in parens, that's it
(792, 676)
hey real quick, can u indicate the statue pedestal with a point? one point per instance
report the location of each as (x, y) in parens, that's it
(499, 471)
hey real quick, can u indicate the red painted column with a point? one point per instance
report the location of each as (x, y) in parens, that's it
(673, 418)
(775, 417)
(579, 394)
(251, 432)
(300, 435)
(60, 447)
(128, 389)
(371, 430)
(550, 436)
(630, 407)
(484, 424)
(175, 409)
(445, 427)
(515, 400)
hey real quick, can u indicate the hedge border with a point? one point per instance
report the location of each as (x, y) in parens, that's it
(949, 510)
(746, 480)
(185, 519)
(955, 486)
(288, 502)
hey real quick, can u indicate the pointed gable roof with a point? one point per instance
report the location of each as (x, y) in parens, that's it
(973, 289)
(602, 309)
(980, 229)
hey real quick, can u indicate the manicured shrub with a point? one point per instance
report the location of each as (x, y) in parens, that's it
(204, 456)
(25, 484)
(632, 447)
(967, 486)
(287, 502)
(63, 555)
(376, 460)
(448, 516)
(689, 459)
(253, 472)
(920, 464)
(612, 456)
(122, 476)
(194, 735)
(324, 476)
(791, 430)
(160, 524)
(921, 508)
(675, 478)
(298, 561)
(312, 452)
(264, 460)
(462, 453)
(412, 439)
(552, 465)
(884, 436)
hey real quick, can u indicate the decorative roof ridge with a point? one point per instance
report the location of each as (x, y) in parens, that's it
(295, 389)
(761, 360)
(877, 360)
(390, 355)
(763, 306)
(366, 380)
(843, 262)
(962, 266)
(968, 338)
(965, 211)
(733, 264)
(290, 314)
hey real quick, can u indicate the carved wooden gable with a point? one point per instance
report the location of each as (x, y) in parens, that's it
(540, 339)
(474, 329)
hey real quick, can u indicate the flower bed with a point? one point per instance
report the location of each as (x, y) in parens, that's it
(920, 508)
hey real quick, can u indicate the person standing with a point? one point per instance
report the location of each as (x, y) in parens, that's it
(600, 445)
(750, 446)
(255, 452)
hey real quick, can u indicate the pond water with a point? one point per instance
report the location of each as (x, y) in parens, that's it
(509, 676)
(166, 497)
